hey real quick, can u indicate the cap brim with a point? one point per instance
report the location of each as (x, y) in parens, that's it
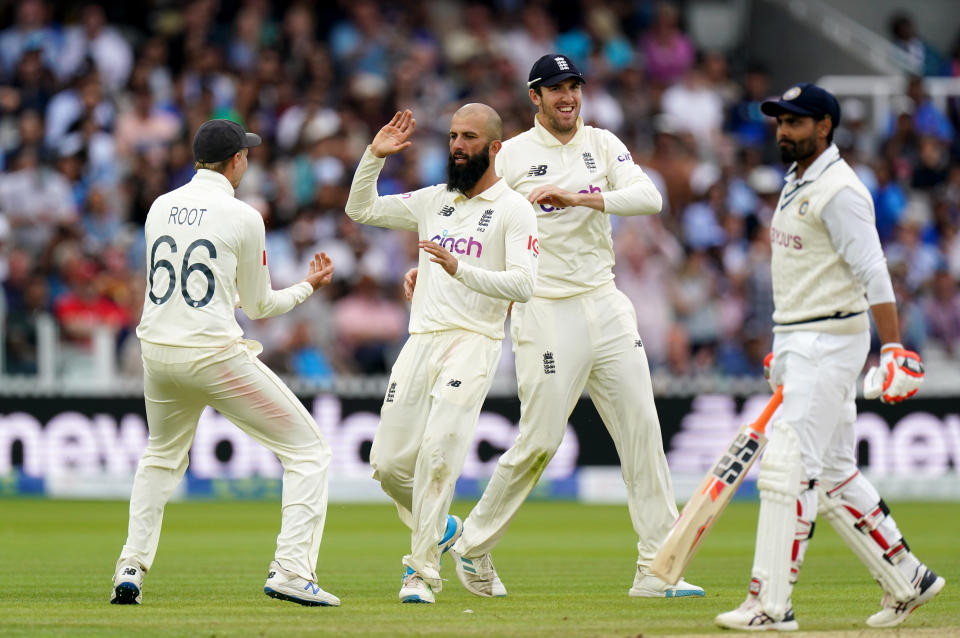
(555, 79)
(773, 108)
(250, 140)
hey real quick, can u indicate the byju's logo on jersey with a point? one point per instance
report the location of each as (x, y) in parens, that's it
(537, 170)
(484, 220)
(446, 211)
(589, 162)
(460, 245)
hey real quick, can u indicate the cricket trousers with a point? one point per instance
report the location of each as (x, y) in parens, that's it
(427, 423)
(561, 346)
(178, 384)
(818, 372)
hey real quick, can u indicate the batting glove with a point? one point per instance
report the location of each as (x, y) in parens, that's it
(898, 376)
(768, 371)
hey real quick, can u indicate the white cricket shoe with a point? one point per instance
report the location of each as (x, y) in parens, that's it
(895, 612)
(127, 585)
(285, 585)
(451, 534)
(749, 616)
(478, 575)
(414, 589)
(649, 586)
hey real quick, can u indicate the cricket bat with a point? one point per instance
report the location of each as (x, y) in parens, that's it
(709, 500)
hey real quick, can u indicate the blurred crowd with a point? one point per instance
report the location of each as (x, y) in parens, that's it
(98, 104)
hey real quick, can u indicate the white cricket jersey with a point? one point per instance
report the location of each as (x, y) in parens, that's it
(204, 249)
(493, 235)
(576, 244)
(814, 287)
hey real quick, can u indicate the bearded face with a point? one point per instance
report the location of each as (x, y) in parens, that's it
(464, 170)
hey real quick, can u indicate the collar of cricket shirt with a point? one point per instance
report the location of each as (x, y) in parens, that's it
(829, 157)
(490, 194)
(547, 138)
(213, 178)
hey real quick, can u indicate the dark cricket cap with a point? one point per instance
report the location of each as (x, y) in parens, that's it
(216, 140)
(551, 69)
(805, 99)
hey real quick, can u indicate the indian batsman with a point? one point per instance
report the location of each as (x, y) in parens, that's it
(828, 270)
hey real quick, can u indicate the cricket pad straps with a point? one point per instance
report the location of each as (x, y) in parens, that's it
(863, 521)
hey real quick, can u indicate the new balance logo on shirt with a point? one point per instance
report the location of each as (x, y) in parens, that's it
(446, 211)
(454, 383)
(537, 170)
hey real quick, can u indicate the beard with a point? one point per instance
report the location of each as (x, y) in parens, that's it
(795, 151)
(464, 177)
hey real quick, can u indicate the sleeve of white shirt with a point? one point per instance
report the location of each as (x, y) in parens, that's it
(366, 207)
(257, 296)
(516, 283)
(634, 193)
(849, 220)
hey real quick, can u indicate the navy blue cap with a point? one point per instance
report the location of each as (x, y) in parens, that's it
(805, 99)
(216, 140)
(552, 69)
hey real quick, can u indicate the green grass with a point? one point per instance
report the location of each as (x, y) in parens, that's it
(567, 568)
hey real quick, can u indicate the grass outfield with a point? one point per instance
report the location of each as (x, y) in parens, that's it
(567, 567)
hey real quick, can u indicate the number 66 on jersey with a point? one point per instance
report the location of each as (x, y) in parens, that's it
(712, 496)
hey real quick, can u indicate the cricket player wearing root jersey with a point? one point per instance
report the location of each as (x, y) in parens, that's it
(204, 250)
(479, 252)
(578, 329)
(828, 270)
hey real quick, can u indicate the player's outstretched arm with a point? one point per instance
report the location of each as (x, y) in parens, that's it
(395, 135)
(320, 271)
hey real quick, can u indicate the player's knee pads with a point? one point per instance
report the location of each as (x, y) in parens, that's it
(778, 527)
(863, 521)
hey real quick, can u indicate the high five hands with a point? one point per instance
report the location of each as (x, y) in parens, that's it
(395, 136)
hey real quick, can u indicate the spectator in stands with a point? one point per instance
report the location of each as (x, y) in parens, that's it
(942, 311)
(744, 120)
(20, 335)
(370, 326)
(667, 52)
(96, 40)
(142, 127)
(927, 59)
(30, 29)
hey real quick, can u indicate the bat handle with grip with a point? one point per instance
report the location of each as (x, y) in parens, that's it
(761, 423)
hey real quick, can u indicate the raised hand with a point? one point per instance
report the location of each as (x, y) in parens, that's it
(321, 271)
(395, 136)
